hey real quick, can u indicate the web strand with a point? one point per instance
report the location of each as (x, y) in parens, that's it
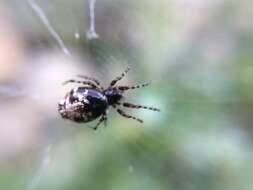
(39, 12)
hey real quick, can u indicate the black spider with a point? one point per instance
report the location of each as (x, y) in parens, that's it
(90, 101)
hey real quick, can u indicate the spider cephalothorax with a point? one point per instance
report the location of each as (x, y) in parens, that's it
(91, 100)
(113, 95)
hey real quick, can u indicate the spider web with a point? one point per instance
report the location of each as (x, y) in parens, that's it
(90, 34)
(97, 51)
(196, 102)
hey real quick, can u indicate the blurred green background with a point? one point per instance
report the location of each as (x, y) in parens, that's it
(198, 56)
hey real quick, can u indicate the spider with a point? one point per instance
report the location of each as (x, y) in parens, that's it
(90, 101)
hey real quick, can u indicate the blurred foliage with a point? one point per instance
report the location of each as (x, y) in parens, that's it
(198, 56)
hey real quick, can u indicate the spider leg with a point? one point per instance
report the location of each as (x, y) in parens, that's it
(91, 79)
(89, 83)
(133, 87)
(119, 77)
(122, 113)
(105, 115)
(103, 118)
(129, 105)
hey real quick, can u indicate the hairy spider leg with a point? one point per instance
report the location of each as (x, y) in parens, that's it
(133, 87)
(119, 77)
(103, 118)
(124, 114)
(89, 83)
(130, 105)
(91, 79)
(121, 112)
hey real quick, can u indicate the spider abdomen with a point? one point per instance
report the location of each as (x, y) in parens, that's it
(83, 104)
